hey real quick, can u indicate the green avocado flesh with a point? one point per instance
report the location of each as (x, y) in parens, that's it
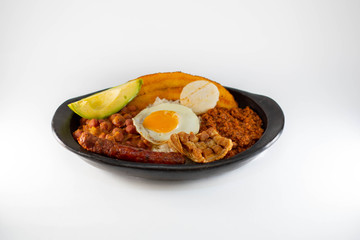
(103, 104)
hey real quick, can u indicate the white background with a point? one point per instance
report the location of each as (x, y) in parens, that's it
(303, 54)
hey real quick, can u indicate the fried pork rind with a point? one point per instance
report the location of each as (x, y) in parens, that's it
(169, 86)
(204, 147)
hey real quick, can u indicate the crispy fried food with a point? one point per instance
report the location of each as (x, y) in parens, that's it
(203, 147)
(169, 85)
(116, 150)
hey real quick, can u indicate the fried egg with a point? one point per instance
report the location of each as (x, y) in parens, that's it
(158, 122)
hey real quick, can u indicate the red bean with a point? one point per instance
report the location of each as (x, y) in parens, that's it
(130, 129)
(111, 117)
(94, 130)
(109, 137)
(118, 136)
(128, 122)
(118, 120)
(93, 123)
(116, 129)
(105, 126)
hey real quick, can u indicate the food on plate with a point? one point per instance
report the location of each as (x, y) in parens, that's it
(175, 118)
(242, 125)
(157, 123)
(116, 150)
(118, 128)
(203, 147)
(107, 102)
(169, 86)
(200, 96)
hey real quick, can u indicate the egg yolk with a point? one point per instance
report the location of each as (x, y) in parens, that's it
(161, 121)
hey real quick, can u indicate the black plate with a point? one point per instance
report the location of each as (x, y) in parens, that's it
(65, 122)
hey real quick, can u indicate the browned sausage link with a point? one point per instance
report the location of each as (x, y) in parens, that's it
(113, 149)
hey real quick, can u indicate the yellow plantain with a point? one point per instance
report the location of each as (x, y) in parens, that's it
(169, 85)
(144, 100)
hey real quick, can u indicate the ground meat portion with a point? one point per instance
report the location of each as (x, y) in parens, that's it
(242, 126)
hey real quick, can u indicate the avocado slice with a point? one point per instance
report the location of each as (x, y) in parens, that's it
(103, 104)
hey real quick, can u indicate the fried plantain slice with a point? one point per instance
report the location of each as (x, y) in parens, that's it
(169, 85)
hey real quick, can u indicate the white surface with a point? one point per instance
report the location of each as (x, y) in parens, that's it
(303, 54)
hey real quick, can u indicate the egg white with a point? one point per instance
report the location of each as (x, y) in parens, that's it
(188, 122)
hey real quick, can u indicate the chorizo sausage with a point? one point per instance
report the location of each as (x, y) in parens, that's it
(119, 151)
